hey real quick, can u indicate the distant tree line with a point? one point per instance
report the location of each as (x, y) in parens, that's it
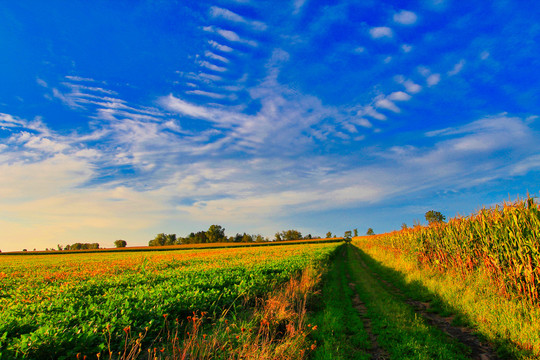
(288, 235)
(216, 234)
(81, 246)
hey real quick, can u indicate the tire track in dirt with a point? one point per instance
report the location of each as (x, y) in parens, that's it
(377, 352)
(479, 350)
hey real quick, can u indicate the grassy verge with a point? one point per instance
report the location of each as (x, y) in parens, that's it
(399, 329)
(340, 333)
(512, 325)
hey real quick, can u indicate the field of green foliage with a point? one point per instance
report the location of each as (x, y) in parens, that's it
(58, 306)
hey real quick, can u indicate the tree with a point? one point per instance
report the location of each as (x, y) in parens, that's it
(247, 238)
(433, 217)
(291, 235)
(370, 232)
(170, 239)
(347, 236)
(82, 246)
(238, 237)
(355, 232)
(404, 226)
(120, 243)
(328, 235)
(216, 233)
(159, 240)
(259, 238)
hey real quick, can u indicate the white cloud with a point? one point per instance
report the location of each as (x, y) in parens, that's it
(7, 120)
(204, 77)
(350, 128)
(45, 145)
(381, 32)
(524, 166)
(207, 94)
(298, 4)
(406, 48)
(387, 104)
(213, 67)
(359, 50)
(363, 122)
(457, 68)
(219, 46)
(78, 78)
(218, 12)
(484, 55)
(405, 17)
(66, 99)
(57, 174)
(409, 85)
(77, 88)
(433, 79)
(371, 112)
(41, 83)
(211, 55)
(172, 103)
(230, 35)
(399, 96)
(424, 70)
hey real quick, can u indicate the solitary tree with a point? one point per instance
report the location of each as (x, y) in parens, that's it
(329, 235)
(370, 232)
(347, 237)
(120, 243)
(355, 232)
(433, 217)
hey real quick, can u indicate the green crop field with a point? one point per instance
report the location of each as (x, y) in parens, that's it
(54, 307)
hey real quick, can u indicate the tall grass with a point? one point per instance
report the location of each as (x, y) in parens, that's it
(504, 240)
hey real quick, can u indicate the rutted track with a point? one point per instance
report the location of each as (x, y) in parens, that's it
(376, 351)
(479, 350)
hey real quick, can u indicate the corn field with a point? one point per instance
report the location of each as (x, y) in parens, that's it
(504, 241)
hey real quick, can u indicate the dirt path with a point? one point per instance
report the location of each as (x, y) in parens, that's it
(377, 353)
(479, 350)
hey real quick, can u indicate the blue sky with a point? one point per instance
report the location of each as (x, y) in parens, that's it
(123, 119)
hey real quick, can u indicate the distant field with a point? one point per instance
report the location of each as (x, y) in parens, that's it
(216, 245)
(55, 307)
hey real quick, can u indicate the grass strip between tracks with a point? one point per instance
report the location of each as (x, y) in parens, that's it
(400, 331)
(341, 333)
